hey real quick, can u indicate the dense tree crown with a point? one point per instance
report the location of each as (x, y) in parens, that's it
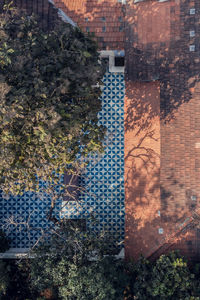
(48, 100)
(70, 264)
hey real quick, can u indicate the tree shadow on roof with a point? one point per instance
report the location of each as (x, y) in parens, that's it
(174, 62)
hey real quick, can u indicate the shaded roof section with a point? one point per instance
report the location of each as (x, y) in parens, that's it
(42, 8)
(103, 17)
(159, 46)
(148, 32)
(158, 38)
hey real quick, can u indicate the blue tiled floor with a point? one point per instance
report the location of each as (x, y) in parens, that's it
(27, 209)
(104, 177)
(103, 202)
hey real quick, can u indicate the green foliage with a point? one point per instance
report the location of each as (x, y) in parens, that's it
(74, 267)
(168, 278)
(48, 102)
(71, 273)
(4, 278)
(101, 280)
(171, 277)
(15, 281)
(4, 242)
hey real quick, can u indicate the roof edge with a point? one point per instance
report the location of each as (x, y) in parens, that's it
(63, 15)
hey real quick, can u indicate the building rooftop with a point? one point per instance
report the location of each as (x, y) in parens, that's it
(162, 140)
(103, 17)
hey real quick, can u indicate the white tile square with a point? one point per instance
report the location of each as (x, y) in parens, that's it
(192, 48)
(192, 11)
(192, 33)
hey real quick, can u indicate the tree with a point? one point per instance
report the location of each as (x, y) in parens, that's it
(168, 278)
(4, 278)
(74, 267)
(103, 279)
(171, 278)
(49, 102)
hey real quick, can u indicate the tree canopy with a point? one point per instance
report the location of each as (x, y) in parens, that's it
(4, 278)
(71, 272)
(74, 266)
(49, 101)
(168, 278)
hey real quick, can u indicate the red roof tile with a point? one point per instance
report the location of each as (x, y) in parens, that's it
(89, 14)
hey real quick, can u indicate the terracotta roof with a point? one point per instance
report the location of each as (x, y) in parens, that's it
(148, 32)
(162, 139)
(103, 17)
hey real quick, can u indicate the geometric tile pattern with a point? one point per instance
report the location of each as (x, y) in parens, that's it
(102, 205)
(28, 209)
(103, 202)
